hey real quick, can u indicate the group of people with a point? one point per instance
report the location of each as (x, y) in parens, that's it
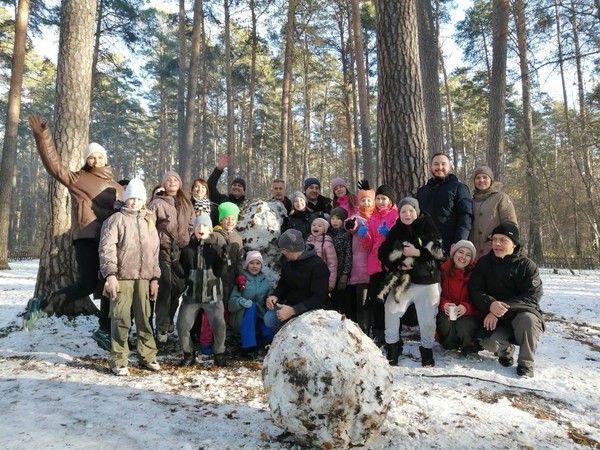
(365, 255)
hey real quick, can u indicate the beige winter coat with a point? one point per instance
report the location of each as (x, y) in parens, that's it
(173, 221)
(129, 246)
(490, 208)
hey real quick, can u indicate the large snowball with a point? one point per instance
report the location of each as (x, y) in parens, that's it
(326, 382)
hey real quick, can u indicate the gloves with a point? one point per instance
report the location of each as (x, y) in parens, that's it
(350, 224)
(342, 282)
(240, 281)
(362, 231)
(246, 303)
(363, 185)
(383, 229)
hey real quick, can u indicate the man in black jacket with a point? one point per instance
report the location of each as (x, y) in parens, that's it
(448, 201)
(506, 288)
(237, 189)
(316, 203)
(304, 281)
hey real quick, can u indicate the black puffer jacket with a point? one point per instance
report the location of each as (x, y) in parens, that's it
(450, 204)
(426, 269)
(514, 279)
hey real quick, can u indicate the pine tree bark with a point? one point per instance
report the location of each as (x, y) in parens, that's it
(287, 88)
(401, 115)
(13, 111)
(181, 82)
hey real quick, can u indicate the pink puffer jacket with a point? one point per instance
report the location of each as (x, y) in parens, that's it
(373, 240)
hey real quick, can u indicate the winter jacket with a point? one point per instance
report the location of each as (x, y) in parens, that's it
(93, 190)
(514, 280)
(455, 287)
(320, 207)
(213, 257)
(344, 202)
(216, 196)
(257, 289)
(450, 204)
(303, 284)
(342, 242)
(326, 251)
(298, 220)
(129, 246)
(373, 240)
(490, 208)
(419, 233)
(234, 249)
(173, 221)
(359, 273)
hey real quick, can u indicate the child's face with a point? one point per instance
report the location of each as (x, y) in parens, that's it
(336, 222)
(134, 203)
(202, 231)
(171, 185)
(408, 214)
(366, 202)
(317, 228)
(229, 222)
(299, 204)
(382, 201)
(340, 190)
(254, 267)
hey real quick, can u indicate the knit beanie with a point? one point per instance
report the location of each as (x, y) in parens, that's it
(463, 243)
(483, 169)
(228, 209)
(291, 240)
(135, 189)
(93, 148)
(310, 181)
(338, 182)
(410, 201)
(366, 211)
(297, 195)
(203, 219)
(240, 180)
(323, 222)
(386, 190)
(169, 174)
(253, 255)
(340, 213)
(508, 229)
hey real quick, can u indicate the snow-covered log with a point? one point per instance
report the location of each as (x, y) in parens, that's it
(326, 382)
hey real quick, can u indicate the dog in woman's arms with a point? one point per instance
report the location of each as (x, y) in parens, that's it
(399, 279)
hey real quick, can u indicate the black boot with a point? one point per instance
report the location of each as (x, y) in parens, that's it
(426, 357)
(220, 360)
(189, 359)
(393, 352)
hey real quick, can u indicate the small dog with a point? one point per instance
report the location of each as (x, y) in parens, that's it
(399, 279)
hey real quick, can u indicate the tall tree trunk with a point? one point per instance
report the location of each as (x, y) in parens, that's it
(533, 197)
(72, 113)
(496, 119)
(363, 95)
(287, 88)
(97, 35)
(429, 56)
(185, 162)
(307, 108)
(250, 146)
(181, 82)
(13, 111)
(229, 88)
(401, 116)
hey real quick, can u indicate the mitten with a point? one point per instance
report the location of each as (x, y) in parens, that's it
(342, 282)
(362, 231)
(246, 303)
(350, 224)
(383, 229)
(240, 281)
(363, 185)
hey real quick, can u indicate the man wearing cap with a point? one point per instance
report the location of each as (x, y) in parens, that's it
(448, 201)
(237, 189)
(506, 289)
(303, 285)
(316, 202)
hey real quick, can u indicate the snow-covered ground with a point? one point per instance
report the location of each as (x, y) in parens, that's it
(57, 392)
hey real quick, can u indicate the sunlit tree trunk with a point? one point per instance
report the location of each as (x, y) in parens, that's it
(181, 81)
(254, 43)
(229, 89)
(287, 88)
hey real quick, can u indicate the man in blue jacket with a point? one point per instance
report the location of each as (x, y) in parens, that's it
(448, 201)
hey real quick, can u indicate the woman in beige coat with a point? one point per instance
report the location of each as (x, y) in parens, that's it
(491, 207)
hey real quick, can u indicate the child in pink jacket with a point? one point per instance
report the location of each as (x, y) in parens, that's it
(324, 247)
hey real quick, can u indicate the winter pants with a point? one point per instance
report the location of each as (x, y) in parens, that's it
(170, 288)
(376, 307)
(525, 329)
(426, 298)
(188, 311)
(253, 330)
(357, 295)
(271, 320)
(459, 333)
(132, 294)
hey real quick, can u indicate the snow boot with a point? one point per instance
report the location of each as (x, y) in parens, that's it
(393, 352)
(189, 359)
(427, 357)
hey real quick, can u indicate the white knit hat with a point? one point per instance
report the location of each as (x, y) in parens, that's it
(135, 189)
(253, 255)
(93, 148)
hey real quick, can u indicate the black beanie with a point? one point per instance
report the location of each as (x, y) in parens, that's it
(386, 190)
(340, 213)
(508, 229)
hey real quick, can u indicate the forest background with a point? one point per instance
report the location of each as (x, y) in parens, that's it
(298, 88)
